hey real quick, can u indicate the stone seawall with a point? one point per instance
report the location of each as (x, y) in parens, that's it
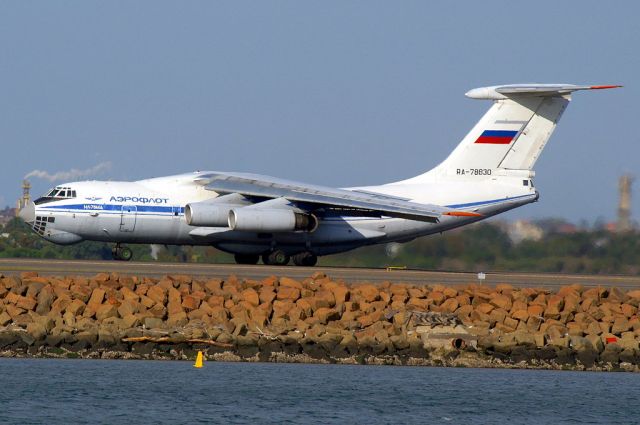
(319, 320)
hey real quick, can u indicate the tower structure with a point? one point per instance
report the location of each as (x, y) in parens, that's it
(26, 196)
(624, 205)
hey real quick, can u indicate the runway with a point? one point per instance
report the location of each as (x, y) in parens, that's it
(87, 268)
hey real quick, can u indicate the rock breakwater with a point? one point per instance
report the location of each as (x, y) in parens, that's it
(319, 320)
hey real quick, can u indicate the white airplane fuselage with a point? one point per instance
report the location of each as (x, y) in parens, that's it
(152, 211)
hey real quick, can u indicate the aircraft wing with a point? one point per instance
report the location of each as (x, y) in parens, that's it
(313, 197)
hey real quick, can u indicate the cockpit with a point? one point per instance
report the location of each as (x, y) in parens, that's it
(58, 193)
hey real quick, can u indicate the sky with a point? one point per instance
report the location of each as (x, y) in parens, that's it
(340, 93)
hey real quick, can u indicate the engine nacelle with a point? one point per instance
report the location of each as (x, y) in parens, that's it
(207, 214)
(271, 220)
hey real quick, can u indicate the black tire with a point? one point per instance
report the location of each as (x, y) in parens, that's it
(125, 254)
(305, 259)
(246, 258)
(276, 258)
(311, 260)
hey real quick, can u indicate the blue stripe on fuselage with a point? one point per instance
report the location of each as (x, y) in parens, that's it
(116, 207)
(493, 201)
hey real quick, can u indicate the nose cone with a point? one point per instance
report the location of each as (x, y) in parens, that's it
(28, 213)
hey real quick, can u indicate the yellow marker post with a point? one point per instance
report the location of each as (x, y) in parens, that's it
(392, 268)
(199, 359)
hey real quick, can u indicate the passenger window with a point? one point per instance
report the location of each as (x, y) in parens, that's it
(51, 219)
(525, 182)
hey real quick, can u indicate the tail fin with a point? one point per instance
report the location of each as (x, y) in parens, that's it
(512, 134)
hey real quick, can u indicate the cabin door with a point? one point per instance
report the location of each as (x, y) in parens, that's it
(128, 218)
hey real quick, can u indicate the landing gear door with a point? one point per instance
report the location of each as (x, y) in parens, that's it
(128, 218)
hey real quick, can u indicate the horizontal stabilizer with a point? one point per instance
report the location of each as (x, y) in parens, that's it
(537, 90)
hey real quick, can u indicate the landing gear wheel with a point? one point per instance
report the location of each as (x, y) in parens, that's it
(275, 258)
(246, 258)
(121, 253)
(305, 259)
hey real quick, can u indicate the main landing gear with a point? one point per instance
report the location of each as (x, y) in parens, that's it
(278, 258)
(275, 258)
(121, 253)
(305, 259)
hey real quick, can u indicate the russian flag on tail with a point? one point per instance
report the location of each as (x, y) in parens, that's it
(496, 137)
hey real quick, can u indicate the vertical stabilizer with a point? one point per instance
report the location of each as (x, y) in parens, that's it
(510, 137)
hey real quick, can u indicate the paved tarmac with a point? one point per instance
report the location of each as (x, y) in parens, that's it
(153, 269)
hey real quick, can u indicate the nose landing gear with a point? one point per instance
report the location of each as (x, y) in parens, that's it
(121, 253)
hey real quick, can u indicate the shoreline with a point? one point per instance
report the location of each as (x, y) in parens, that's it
(473, 360)
(319, 320)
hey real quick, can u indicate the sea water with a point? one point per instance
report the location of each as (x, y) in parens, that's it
(133, 391)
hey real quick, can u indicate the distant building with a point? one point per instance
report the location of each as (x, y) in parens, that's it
(556, 225)
(611, 227)
(567, 228)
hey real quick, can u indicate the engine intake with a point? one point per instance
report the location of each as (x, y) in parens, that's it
(271, 220)
(207, 214)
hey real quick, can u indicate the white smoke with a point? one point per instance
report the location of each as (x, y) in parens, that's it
(393, 249)
(155, 250)
(72, 174)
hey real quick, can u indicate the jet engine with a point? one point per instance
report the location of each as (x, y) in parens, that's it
(207, 214)
(271, 220)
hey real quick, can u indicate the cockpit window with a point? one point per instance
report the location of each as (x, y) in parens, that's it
(56, 194)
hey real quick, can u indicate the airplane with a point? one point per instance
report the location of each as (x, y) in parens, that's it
(254, 216)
